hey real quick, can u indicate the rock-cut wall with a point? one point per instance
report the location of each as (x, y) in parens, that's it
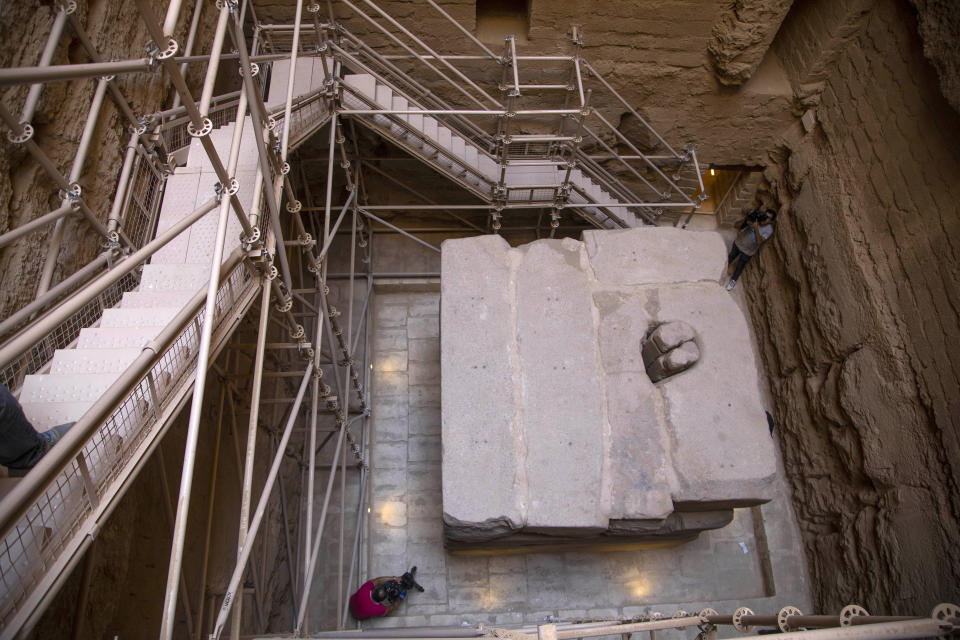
(855, 306)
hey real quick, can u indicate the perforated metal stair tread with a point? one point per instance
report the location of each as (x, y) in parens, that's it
(143, 317)
(174, 277)
(146, 299)
(116, 337)
(73, 361)
(44, 415)
(65, 387)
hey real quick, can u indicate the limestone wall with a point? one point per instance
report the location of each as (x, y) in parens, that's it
(855, 307)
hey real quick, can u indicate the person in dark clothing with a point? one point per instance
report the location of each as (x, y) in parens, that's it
(21, 447)
(755, 229)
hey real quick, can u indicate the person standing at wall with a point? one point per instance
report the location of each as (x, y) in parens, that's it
(755, 229)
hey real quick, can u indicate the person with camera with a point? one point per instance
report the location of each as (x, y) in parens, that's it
(756, 228)
(381, 596)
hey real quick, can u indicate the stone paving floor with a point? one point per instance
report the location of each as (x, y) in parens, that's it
(756, 561)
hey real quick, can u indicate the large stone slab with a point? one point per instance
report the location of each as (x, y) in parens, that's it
(561, 390)
(554, 432)
(723, 452)
(638, 469)
(655, 255)
(483, 468)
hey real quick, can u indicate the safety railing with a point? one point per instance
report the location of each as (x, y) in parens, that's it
(405, 62)
(44, 539)
(364, 59)
(63, 335)
(308, 113)
(144, 195)
(176, 136)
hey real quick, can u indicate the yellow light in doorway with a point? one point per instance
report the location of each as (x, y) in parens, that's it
(712, 172)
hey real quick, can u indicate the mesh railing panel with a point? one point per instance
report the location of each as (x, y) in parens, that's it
(177, 137)
(36, 357)
(304, 118)
(51, 525)
(144, 195)
(141, 209)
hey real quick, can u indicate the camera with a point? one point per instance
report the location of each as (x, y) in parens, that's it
(757, 215)
(398, 590)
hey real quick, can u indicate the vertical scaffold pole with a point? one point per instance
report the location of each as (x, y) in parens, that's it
(247, 492)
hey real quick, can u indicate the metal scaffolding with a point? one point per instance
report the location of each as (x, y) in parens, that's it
(529, 147)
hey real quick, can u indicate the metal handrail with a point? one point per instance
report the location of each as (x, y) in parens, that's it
(143, 198)
(38, 331)
(43, 516)
(410, 88)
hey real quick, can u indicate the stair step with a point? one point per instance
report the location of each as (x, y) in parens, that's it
(430, 127)
(116, 337)
(459, 147)
(415, 121)
(65, 387)
(44, 415)
(364, 83)
(72, 361)
(383, 96)
(179, 198)
(174, 277)
(138, 317)
(143, 299)
(400, 103)
(488, 167)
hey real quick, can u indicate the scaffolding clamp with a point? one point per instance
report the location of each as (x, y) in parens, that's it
(286, 303)
(73, 195)
(306, 240)
(155, 54)
(496, 218)
(67, 7)
(111, 242)
(576, 35)
(705, 626)
(231, 5)
(25, 134)
(206, 126)
(250, 242)
(783, 617)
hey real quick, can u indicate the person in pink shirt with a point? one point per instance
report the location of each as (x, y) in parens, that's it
(381, 596)
(372, 599)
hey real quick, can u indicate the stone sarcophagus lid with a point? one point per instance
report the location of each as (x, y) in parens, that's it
(596, 391)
